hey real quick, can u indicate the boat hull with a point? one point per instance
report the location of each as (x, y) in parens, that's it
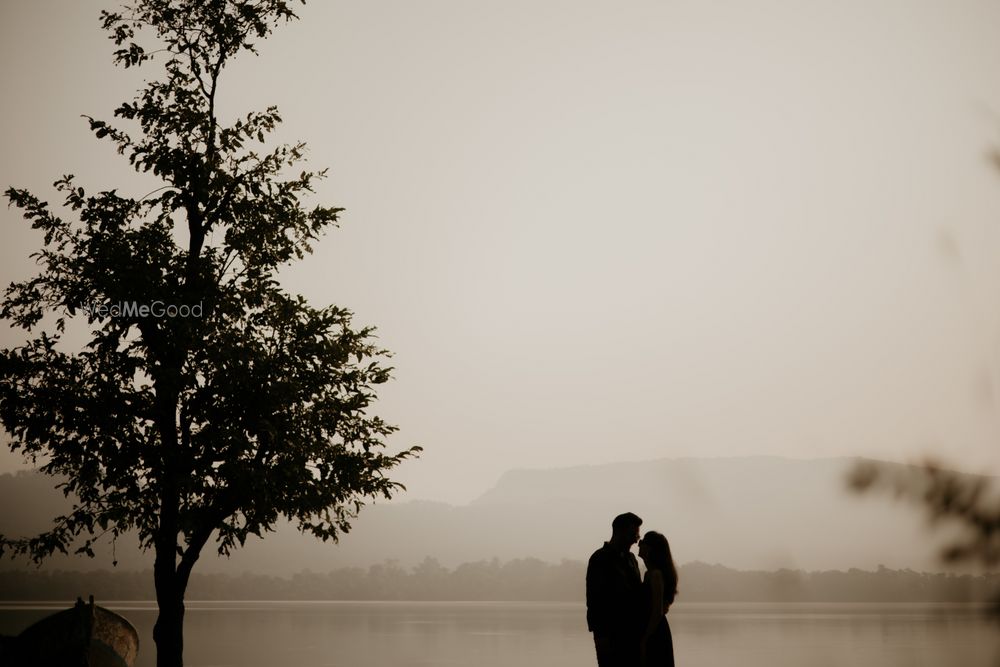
(84, 634)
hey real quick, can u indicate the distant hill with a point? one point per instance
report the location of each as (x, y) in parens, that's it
(753, 513)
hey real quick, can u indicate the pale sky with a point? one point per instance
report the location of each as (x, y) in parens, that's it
(604, 231)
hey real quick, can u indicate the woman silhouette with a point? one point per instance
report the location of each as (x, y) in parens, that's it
(660, 587)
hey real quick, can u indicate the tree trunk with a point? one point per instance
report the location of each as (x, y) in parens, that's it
(168, 633)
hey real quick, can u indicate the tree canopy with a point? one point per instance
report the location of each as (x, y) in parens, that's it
(208, 400)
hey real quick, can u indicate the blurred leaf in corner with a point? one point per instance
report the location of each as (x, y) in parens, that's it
(962, 499)
(965, 499)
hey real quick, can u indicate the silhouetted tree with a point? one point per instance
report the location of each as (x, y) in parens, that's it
(208, 401)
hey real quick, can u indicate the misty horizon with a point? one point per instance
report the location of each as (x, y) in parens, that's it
(747, 513)
(522, 580)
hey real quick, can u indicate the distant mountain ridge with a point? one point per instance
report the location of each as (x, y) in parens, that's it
(754, 513)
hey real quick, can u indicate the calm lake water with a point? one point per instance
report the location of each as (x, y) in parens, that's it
(495, 634)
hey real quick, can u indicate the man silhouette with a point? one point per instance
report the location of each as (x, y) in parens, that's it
(613, 596)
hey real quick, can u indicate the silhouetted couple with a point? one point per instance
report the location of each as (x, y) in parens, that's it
(626, 613)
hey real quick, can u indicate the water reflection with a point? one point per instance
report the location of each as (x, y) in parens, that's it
(427, 634)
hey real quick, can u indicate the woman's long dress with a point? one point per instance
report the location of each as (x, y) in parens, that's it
(660, 646)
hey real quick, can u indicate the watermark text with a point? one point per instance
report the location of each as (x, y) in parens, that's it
(135, 309)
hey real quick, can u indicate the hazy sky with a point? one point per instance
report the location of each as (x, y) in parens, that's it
(601, 231)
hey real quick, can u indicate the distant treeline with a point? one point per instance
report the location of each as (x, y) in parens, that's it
(526, 579)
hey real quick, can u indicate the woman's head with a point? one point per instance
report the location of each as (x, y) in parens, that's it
(654, 549)
(655, 552)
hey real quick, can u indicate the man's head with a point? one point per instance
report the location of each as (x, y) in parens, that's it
(625, 530)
